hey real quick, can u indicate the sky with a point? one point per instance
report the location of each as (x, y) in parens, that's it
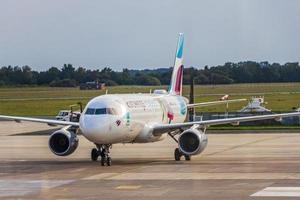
(139, 34)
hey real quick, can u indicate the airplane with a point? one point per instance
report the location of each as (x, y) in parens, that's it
(139, 118)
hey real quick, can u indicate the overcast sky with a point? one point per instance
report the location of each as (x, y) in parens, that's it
(143, 33)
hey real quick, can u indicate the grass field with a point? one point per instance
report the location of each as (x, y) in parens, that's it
(19, 101)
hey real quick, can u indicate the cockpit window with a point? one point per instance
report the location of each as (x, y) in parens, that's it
(101, 111)
(90, 111)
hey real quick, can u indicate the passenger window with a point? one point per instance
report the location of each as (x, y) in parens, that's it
(90, 111)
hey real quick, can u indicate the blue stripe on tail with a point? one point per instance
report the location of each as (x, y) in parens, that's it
(180, 46)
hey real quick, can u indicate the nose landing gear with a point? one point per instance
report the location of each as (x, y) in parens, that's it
(105, 158)
(103, 152)
(94, 154)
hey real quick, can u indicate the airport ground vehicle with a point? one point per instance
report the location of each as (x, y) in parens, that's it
(70, 115)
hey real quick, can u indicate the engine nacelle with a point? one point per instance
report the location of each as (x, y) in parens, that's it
(192, 142)
(63, 142)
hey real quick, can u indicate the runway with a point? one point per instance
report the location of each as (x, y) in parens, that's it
(234, 166)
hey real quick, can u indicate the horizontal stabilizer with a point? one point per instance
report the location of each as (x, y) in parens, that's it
(212, 103)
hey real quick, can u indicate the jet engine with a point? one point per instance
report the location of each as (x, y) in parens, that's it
(192, 141)
(63, 142)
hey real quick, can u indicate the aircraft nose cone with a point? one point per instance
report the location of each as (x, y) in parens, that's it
(93, 128)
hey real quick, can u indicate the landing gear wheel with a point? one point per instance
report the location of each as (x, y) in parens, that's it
(108, 161)
(94, 154)
(102, 161)
(177, 154)
(187, 157)
(102, 151)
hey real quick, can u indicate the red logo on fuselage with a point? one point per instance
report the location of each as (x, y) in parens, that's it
(170, 116)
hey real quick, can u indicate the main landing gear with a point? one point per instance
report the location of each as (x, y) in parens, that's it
(103, 152)
(178, 155)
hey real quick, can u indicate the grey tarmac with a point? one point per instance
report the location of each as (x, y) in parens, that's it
(234, 166)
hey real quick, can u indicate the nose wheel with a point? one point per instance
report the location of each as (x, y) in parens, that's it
(102, 151)
(94, 154)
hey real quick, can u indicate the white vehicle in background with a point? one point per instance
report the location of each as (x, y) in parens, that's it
(68, 115)
(140, 118)
(256, 105)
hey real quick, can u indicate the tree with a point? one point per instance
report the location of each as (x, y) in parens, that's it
(242, 72)
(67, 72)
(147, 80)
(63, 83)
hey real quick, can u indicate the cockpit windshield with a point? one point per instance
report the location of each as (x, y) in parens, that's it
(90, 111)
(101, 111)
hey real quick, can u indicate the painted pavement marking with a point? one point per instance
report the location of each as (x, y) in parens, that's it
(278, 192)
(192, 176)
(128, 187)
(10, 188)
(100, 176)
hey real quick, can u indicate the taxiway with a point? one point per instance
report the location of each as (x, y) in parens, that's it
(234, 166)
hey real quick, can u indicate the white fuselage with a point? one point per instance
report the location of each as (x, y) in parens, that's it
(123, 118)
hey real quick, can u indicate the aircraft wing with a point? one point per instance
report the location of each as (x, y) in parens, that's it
(39, 120)
(212, 103)
(163, 128)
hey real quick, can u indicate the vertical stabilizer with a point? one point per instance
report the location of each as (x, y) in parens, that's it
(177, 75)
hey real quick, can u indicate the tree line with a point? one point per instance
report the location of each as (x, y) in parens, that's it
(69, 76)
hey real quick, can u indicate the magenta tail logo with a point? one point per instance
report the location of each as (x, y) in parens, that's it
(179, 80)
